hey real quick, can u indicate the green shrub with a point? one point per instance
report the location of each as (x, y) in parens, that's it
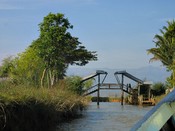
(158, 89)
(74, 84)
(101, 99)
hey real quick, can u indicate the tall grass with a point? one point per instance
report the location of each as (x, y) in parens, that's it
(159, 98)
(28, 108)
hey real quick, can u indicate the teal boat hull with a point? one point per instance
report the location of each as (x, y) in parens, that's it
(160, 118)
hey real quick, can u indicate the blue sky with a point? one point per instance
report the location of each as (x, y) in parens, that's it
(119, 30)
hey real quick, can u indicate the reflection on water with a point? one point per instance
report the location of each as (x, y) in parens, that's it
(106, 117)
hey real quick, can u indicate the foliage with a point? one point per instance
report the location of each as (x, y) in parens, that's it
(46, 60)
(165, 45)
(159, 98)
(169, 82)
(27, 67)
(75, 85)
(57, 45)
(30, 108)
(88, 84)
(158, 89)
(22, 94)
(7, 65)
(58, 48)
(165, 48)
(22, 105)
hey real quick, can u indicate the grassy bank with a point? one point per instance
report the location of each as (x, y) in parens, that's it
(33, 109)
(159, 98)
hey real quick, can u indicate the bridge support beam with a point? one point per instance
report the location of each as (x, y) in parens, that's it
(98, 92)
(122, 92)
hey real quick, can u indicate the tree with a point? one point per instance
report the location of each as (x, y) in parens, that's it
(165, 48)
(58, 48)
(6, 67)
(28, 66)
(158, 89)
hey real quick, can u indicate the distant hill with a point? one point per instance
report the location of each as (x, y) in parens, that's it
(148, 73)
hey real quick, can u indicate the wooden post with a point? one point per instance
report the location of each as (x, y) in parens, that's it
(98, 92)
(122, 93)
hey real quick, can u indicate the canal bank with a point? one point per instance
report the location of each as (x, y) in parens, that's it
(37, 109)
(108, 116)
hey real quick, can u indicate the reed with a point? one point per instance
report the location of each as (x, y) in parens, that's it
(159, 98)
(29, 108)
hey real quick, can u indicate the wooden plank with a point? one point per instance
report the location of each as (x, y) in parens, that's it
(109, 88)
(89, 77)
(129, 76)
(109, 84)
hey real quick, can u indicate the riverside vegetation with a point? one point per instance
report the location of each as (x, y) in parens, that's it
(35, 94)
(28, 108)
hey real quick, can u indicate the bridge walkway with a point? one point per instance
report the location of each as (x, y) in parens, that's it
(101, 76)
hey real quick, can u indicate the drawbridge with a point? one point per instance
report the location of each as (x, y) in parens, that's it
(119, 75)
(101, 75)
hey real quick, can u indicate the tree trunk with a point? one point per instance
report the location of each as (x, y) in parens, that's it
(52, 78)
(42, 78)
(48, 79)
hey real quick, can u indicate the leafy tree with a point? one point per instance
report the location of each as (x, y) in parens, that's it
(58, 48)
(165, 48)
(6, 67)
(48, 57)
(28, 66)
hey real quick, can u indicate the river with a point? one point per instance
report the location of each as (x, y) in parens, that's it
(106, 117)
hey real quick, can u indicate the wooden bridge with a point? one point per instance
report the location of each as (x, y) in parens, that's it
(101, 75)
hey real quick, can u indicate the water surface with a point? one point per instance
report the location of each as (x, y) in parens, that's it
(106, 117)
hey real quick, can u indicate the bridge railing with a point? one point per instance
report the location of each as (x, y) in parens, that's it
(94, 88)
(110, 86)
